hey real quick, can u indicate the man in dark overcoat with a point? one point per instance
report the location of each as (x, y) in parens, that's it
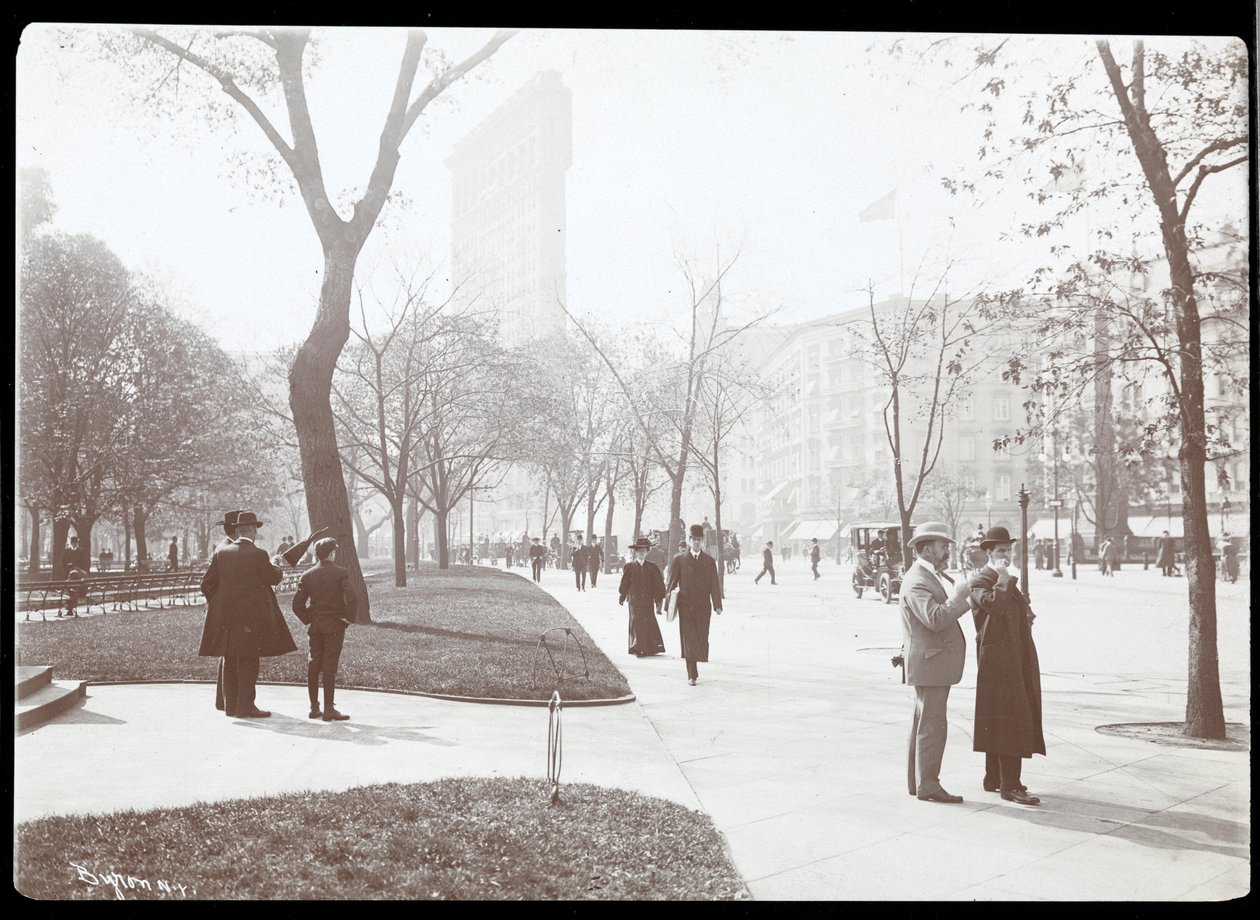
(594, 559)
(1166, 554)
(644, 587)
(694, 574)
(577, 559)
(767, 563)
(1008, 679)
(537, 558)
(815, 557)
(243, 619)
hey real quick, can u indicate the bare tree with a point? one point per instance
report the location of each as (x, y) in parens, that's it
(249, 66)
(924, 352)
(667, 430)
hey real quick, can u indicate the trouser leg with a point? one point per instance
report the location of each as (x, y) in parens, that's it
(246, 683)
(1011, 767)
(594, 576)
(331, 658)
(772, 581)
(313, 666)
(931, 731)
(218, 686)
(692, 670)
(992, 771)
(227, 674)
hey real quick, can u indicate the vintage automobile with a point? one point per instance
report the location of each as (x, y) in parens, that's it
(876, 567)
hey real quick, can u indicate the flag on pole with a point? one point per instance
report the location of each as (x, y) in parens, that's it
(884, 209)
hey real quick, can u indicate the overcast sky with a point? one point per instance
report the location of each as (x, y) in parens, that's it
(683, 142)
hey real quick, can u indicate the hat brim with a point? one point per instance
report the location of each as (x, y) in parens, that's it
(919, 538)
(989, 544)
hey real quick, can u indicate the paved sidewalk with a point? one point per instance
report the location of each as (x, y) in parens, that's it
(793, 740)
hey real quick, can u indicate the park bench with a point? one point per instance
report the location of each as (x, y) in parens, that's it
(122, 589)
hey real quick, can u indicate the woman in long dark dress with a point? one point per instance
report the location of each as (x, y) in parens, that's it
(644, 587)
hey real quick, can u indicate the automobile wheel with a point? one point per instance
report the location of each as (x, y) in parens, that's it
(885, 589)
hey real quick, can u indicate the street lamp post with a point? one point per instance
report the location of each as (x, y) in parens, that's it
(988, 508)
(1023, 540)
(1055, 503)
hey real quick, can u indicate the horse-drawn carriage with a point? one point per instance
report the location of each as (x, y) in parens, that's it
(876, 560)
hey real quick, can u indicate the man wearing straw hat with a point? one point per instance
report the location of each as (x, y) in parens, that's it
(934, 650)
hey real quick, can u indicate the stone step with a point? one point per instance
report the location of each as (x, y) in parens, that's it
(27, 680)
(49, 701)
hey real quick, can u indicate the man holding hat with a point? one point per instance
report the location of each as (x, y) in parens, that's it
(643, 585)
(243, 619)
(934, 650)
(1008, 682)
(694, 573)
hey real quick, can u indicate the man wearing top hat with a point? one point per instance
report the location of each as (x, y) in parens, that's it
(933, 649)
(537, 558)
(577, 559)
(243, 619)
(694, 574)
(643, 585)
(1008, 682)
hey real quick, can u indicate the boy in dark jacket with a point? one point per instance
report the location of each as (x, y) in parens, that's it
(325, 602)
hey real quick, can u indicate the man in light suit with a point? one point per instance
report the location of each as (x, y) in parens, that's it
(934, 650)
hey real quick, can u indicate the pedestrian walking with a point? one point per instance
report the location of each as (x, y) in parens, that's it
(1008, 677)
(1229, 558)
(815, 556)
(243, 619)
(1166, 554)
(1039, 555)
(172, 556)
(933, 650)
(325, 603)
(693, 574)
(1107, 556)
(594, 559)
(577, 559)
(644, 587)
(537, 558)
(767, 563)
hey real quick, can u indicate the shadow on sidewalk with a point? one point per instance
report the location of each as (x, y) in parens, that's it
(353, 732)
(1163, 829)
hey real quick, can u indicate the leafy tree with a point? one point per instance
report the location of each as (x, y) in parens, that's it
(72, 309)
(257, 67)
(1159, 133)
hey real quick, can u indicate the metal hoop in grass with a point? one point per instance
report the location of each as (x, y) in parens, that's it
(555, 754)
(545, 646)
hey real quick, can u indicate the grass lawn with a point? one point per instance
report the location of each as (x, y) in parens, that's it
(457, 838)
(469, 631)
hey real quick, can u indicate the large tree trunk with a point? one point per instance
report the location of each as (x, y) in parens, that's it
(140, 517)
(608, 519)
(126, 521)
(1205, 715)
(310, 386)
(60, 533)
(440, 539)
(36, 541)
(400, 544)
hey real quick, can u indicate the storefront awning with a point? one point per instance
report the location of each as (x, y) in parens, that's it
(788, 531)
(781, 492)
(814, 530)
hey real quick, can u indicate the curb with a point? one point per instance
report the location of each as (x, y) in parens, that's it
(614, 701)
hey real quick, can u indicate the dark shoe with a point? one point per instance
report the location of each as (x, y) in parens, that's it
(229, 713)
(332, 715)
(254, 713)
(316, 713)
(943, 797)
(692, 681)
(1020, 797)
(990, 786)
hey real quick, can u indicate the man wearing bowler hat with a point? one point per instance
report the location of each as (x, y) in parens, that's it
(934, 650)
(1008, 682)
(694, 574)
(243, 619)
